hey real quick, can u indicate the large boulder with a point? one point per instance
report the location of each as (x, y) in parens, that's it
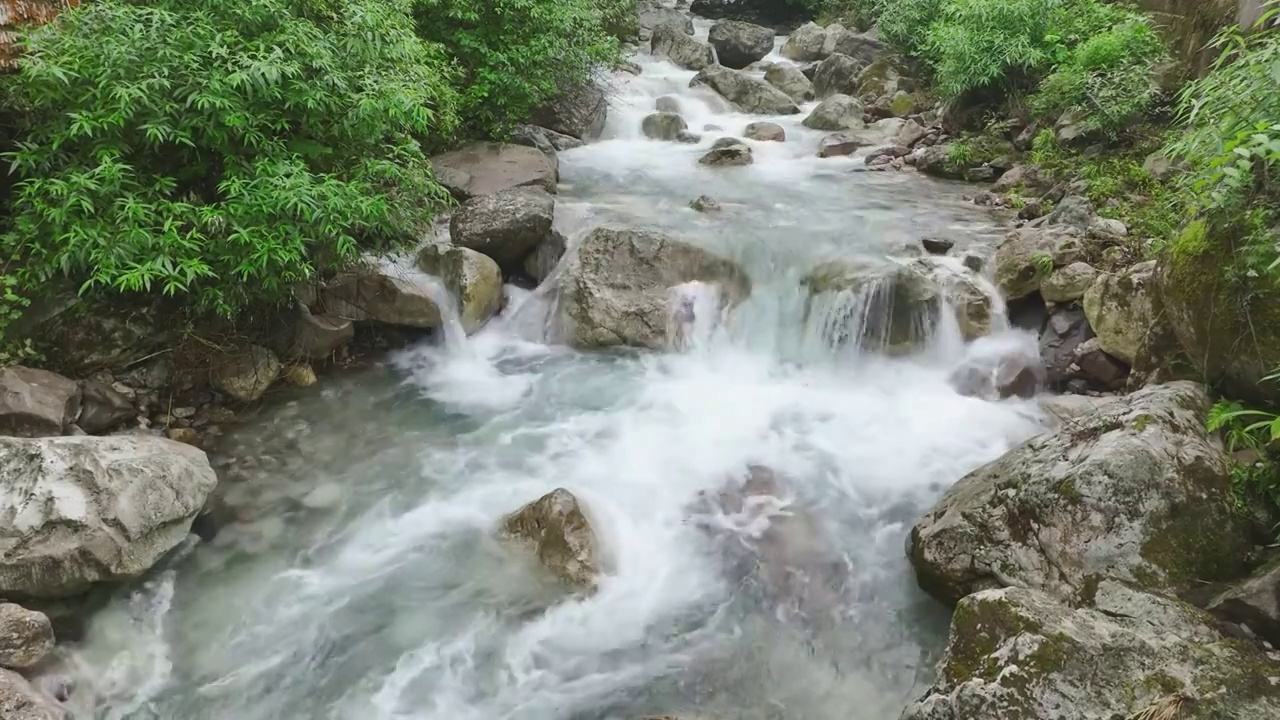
(382, 292)
(838, 73)
(36, 403)
(805, 43)
(1139, 495)
(1119, 307)
(879, 306)
(738, 44)
(245, 374)
(103, 408)
(26, 637)
(652, 18)
(473, 280)
(790, 80)
(863, 48)
(765, 132)
(557, 530)
(485, 168)
(579, 110)
(727, 152)
(844, 143)
(1017, 654)
(749, 94)
(20, 701)
(663, 126)
(681, 49)
(838, 112)
(615, 289)
(548, 142)
(773, 13)
(83, 510)
(1253, 602)
(505, 225)
(1028, 255)
(1228, 324)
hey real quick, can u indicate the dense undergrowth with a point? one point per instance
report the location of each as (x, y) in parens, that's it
(219, 151)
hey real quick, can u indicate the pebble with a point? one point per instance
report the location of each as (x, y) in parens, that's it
(184, 435)
(183, 413)
(300, 376)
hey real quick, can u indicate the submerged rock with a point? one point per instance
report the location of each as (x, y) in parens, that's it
(1017, 654)
(765, 132)
(505, 225)
(36, 403)
(558, 531)
(705, 203)
(727, 152)
(245, 374)
(738, 44)
(615, 289)
(749, 94)
(790, 80)
(1120, 310)
(663, 126)
(838, 112)
(681, 49)
(1138, 495)
(485, 168)
(84, 510)
(473, 280)
(26, 637)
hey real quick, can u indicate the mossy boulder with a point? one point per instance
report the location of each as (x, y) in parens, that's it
(1137, 494)
(1017, 654)
(1028, 256)
(955, 158)
(1120, 310)
(1226, 321)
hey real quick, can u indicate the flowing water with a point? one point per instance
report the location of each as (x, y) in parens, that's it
(361, 579)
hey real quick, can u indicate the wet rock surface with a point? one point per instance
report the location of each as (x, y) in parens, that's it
(558, 531)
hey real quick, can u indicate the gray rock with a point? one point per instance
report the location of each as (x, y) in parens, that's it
(549, 142)
(727, 152)
(1074, 211)
(937, 246)
(838, 144)
(1100, 368)
(544, 258)
(838, 112)
(738, 44)
(806, 43)
(682, 50)
(1028, 255)
(652, 17)
(557, 530)
(688, 138)
(964, 292)
(36, 403)
(382, 293)
(1068, 283)
(863, 48)
(1017, 654)
(26, 637)
(318, 336)
(747, 93)
(19, 700)
(102, 408)
(910, 133)
(765, 132)
(84, 510)
(837, 74)
(485, 168)
(667, 103)
(704, 203)
(505, 225)
(1120, 310)
(833, 32)
(881, 307)
(1157, 165)
(790, 80)
(473, 280)
(1065, 331)
(579, 110)
(1027, 179)
(1140, 495)
(614, 290)
(1254, 603)
(245, 374)
(663, 126)
(1017, 373)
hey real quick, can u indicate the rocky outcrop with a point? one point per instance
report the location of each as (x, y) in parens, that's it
(663, 126)
(681, 49)
(557, 530)
(615, 289)
(1138, 495)
(20, 701)
(727, 152)
(806, 43)
(765, 132)
(26, 637)
(505, 225)
(245, 374)
(1028, 255)
(1253, 603)
(36, 403)
(790, 80)
(1119, 307)
(738, 44)
(103, 408)
(485, 168)
(838, 112)
(82, 510)
(472, 279)
(1017, 654)
(579, 111)
(838, 73)
(749, 94)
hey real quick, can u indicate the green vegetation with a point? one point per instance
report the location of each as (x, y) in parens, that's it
(219, 152)
(1256, 481)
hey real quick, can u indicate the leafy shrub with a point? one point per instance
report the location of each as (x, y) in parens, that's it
(515, 54)
(221, 149)
(976, 44)
(905, 23)
(860, 14)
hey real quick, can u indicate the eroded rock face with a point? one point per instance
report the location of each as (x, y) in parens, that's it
(681, 49)
(749, 94)
(615, 289)
(838, 112)
(26, 637)
(505, 225)
(1138, 495)
(1017, 654)
(82, 510)
(485, 168)
(558, 531)
(473, 280)
(36, 403)
(1119, 307)
(738, 44)
(244, 375)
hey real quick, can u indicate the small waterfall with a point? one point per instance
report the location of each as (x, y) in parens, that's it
(454, 335)
(695, 315)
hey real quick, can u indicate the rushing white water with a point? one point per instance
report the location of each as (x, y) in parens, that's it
(361, 579)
